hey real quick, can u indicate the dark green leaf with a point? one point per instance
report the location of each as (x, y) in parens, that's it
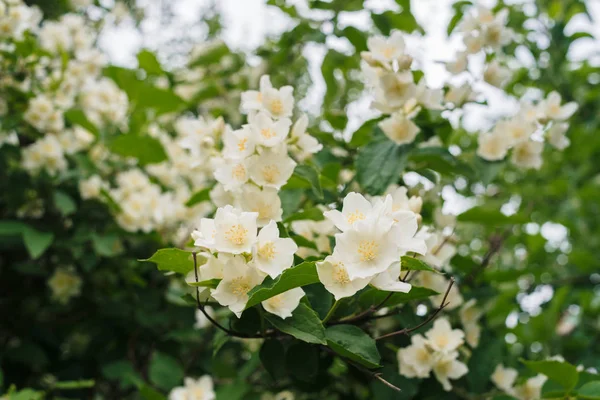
(590, 390)
(353, 343)
(563, 373)
(77, 117)
(149, 393)
(414, 264)
(302, 361)
(304, 324)
(64, 203)
(310, 176)
(483, 362)
(37, 242)
(374, 296)
(300, 275)
(379, 164)
(271, 357)
(165, 372)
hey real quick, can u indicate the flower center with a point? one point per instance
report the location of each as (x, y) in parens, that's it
(242, 144)
(340, 275)
(270, 173)
(276, 106)
(195, 394)
(238, 172)
(441, 341)
(355, 216)
(267, 133)
(240, 286)
(368, 250)
(267, 251)
(422, 355)
(236, 234)
(388, 52)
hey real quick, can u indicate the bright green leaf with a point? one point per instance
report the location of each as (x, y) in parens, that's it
(414, 264)
(173, 259)
(37, 242)
(561, 372)
(146, 149)
(379, 164)
(198, 197)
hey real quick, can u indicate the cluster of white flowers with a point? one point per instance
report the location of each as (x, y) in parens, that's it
(16, 18)
(251, 168)
(483, 31)
(374, 235)
(387, 69)
(64, 284)
(196, 389)
(504, 379)
(255, 161)
(437, 351)
(526, 132)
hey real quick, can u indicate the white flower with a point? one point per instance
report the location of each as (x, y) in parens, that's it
(470, 313)
(252, 99)
(64, 284)
(334, 276)
(458, 95)
(389, 280)
(238, 279)
(416, 360)
(459, 65)
(285, 303)
(517, 130)
(238, 144)
(268, 132)
(355, 208)
(399, 128)
(531, 389)
(448, 367)
(271, 168)
(235, 230)
(441, 337)
(429, 98)
(211, 269)
(265, 202)
(504, 378)
(557, 137)
(279, 103)
(472, 334)
(205, 236)
(551, 109)
(200, 389)
(439, 250)
(492, 147)
(394, 90)
(305, 142)
(473, 43)
(221, 197)
(272, 254)
(231, 173)
(91, 188)
(496, 75)
(386, 50)
(401, 201)
(528, 154)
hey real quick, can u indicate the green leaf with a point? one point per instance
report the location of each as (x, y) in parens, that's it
(123, 372)
(441, 160)
(71, 385)
(374, 296)
(270, 356)
(314, 214)
(173, 259)
(106, 245)
(12, 228)
(219, 340)
(210, 283)
(563, 373)
(364, 134)
(356, 37)
(310, 176)
(64, 203)
(302, 361)
(379, 164)
(300, 275)
(198, 197)
(590, 390)
(149, 393)
(490, 216)
(353, 343)
(390, 20)
(483, 362)
(414, 264)
(234, 391)
(36, 242)
(77, 117)
(304, 324)
(148, 62)
(165, 372)
(146, 149)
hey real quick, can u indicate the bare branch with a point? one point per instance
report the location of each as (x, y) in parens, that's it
(432, 316)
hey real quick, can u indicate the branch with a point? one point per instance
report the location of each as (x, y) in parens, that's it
(408, 331)
(496, 243)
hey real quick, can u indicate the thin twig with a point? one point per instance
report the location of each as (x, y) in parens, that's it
(386, 383)
(496, 243)
(432, 316)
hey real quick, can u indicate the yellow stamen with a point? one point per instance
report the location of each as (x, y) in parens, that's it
(368, 250)
(236, 234)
